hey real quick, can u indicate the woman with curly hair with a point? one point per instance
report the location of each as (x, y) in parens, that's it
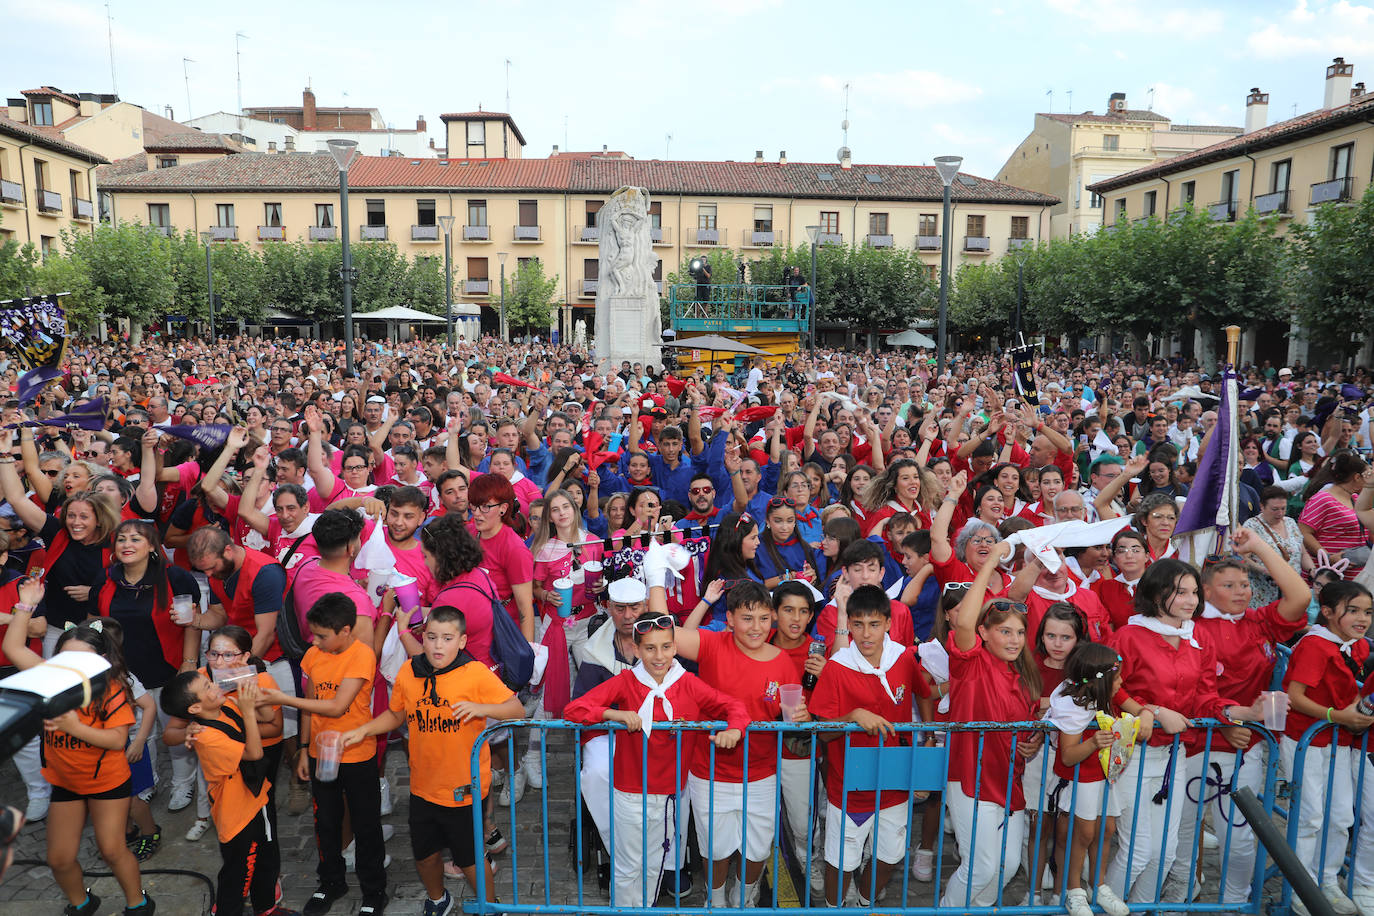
(507, 559)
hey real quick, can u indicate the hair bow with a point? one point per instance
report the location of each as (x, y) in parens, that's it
(93, 624)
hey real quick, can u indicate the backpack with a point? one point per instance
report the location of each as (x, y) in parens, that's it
(290, 639)
(509, 648)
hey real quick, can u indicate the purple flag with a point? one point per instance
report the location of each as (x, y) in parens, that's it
(32, 383)
(90, 415)
(210, 436)
(1213, 497)
(36, 328)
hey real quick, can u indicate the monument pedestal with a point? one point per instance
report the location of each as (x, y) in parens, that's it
(631, 332)
(627, 313)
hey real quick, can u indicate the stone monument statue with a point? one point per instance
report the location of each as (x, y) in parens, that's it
(627, 313)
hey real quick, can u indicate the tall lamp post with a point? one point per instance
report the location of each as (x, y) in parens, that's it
(209, 283)
(948, 167)
(504, 330)
(342, 151)
(446, 224)
(812, 233)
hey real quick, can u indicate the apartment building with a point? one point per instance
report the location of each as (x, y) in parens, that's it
(1065, 153)
(1286, 171)
(46, 185)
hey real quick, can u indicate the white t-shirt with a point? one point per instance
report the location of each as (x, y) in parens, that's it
(751, 385)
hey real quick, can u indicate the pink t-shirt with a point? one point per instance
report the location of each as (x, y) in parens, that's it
(312, 581)
(509, 562)
(476, 611)
(408, 562)
(320, 501)
(187, 475)
(1335, 525)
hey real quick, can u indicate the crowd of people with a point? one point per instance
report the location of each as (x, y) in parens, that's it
(295, 561)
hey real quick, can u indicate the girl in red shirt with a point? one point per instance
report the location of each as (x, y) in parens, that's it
(1131, 555)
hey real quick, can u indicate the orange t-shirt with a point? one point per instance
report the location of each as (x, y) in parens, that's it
(327, 673)
(265, 682)
(232, 803)
(80, 767)
(441, 745)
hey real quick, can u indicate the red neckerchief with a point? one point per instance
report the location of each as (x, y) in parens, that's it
(695, 516)
(809, 516)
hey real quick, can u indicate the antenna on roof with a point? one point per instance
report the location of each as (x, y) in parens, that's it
(667, 145)
(507, 85)
(1070, 101)
(109, 34)
(1152, 99)
(1049, 93)
(565, 133)
(186, 75)
(844, 125)
(238, 73)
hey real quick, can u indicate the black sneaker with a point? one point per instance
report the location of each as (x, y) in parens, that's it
(496, 843)
(323, 898)
(439, 908)
(146, 908)
(145, 845)
(89, 908)
(676, 883)
(374, 906)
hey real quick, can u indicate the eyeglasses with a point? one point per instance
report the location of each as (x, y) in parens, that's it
(223, 655)
(649, 624)
(355, 467)
(487, 507)
(1129, 551)
(281, 429)
(956, 587)
(1003, 604)
(51, 473)
(983, 541)
(698, 491)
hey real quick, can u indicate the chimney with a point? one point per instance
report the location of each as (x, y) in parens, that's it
(758, 157)
(1357, 91)
(1256, 110)
(1116, 103)
(1338, 77)
(290, 143)
(271, 146)
(555, 150)
(420, 124)
(782, 157)
(846, 159)
(308, 121)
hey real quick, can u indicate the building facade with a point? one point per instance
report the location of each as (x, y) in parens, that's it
(46, 185)
(1065, 153)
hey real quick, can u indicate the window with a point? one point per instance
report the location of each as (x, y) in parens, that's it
(1111, 142)
(763, 219)
(522, 263)
(706, 216)
(424, 213)
(1279, 174)
(927, 224)
(932, 273)
(658, 269)
(477, 213)
(271, 215)
(376, 213)
(656, 214)
(45, 241)
(40, 175)
(278, 120)
(830, 222)
(591, 268)
(224, 215)
(166, 162)
(477, 133)
(1150, 198)
(105, 200)
(1189, 192)
(324, 216)
(1229, 182)
(1120, 209)
(593, 208)
(529, 213)
(1020, 227)
(877, 224)
(477, 269)
(159, 215)
(976, 225)
(42, 117)
(74, 183)
(1341, 157)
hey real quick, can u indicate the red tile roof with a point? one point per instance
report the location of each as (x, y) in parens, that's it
(1130, 114)
(51, 140)
(52, 91)
(486, 116)
(1310, 124)
(191, 141)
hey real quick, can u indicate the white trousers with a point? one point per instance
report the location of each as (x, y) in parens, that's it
(799, 804)
(1142, 834)
(638, 868)
(998, 830)
(1364, 846)
(597, 793)
(1221, 770)
(30, 763)
(1322, 828)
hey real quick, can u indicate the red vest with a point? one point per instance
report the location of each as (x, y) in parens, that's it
(240, 608)
(61, 541)
(169, 633)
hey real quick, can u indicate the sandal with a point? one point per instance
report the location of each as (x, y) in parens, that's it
(146, 845)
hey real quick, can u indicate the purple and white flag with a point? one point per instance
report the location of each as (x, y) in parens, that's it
(1213, 502)
(208, 436)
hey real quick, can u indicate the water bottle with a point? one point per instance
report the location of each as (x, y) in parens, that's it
(816, 648)
(1366, 705)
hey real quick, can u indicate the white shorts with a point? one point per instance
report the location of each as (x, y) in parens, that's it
(889, 842)
(1086, 800)
(1031, 783)
(719, 812)
(286, 683)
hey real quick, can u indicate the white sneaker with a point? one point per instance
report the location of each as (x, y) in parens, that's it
(198, 829)
(1076, 902)
(350, 855)
(923, 865)
(1209, 840)
(181, 797)
(817, 875)
(37, 808)
(514, 788)
(1047, 878)
(1363, 897)
(533, 768)
(1340, 903)
(1111, 903)
(386, 806)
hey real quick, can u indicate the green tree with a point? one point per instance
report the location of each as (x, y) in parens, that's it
(18, 265)
(530, 298)
(1329, 280)
(424, 285)
(381, 276)
(130, 264)
(302, 278)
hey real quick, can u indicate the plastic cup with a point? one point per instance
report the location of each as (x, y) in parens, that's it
(592, 569)
(377, 582)
(182, 609)
(407, 590)
(1275, 706)
(229, 679)
(790, 696)
(328, 753)
(564, 588)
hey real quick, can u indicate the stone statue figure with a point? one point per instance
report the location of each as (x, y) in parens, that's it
(627, 311)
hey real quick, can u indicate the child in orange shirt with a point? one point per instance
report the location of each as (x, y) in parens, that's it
(339, 670)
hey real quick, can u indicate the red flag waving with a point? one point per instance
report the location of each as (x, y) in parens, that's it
(501, 378)
(754, 414)
(675, 385)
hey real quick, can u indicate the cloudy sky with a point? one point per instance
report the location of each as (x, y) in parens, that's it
(722, 77)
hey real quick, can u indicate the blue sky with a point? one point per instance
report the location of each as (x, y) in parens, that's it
(723, 77)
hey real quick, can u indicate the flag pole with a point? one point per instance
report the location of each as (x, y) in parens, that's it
(1232, 344)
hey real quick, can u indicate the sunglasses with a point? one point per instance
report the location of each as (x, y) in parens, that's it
(649, 624)
(779, 501)
(1003, 604)
(956, 587)
(52, 473)
(697, 491)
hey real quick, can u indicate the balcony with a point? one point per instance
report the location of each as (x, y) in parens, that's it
(323, 233)
(82, 209)
(762, 238)
(372, 233)
(271, 233)
(424, 233)
(164, 231)
(660, 236)
(1223, 211)
(1093, 152)
(527, 234)
(589, 289)
(927, 243)
(830, 238)
(11, 192)
(878, 241)
(1017, 244)
(586, 235)
(1273, 202)
(706, 238)
(977, 244)
(1335, 190)
(476, 287)
(477, 233)
(49, 201)
(224, 233)
(659, 284)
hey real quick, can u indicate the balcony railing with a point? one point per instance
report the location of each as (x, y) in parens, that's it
(372, 233)
(978, 244)
(11, 192)
(1113, 151)
(49, 201)
(224, 233)
(589, 288)
(1337, 189)
(476, 287)
(424, 233)
(762, 238)
(737, 307)
(271, 233)
(830, 238)
(82, 209)
(477, 233)
(660, 236)
(878, 241)
(1018, 243)
(164, 231)
(1222, 211)
(927, 243)
(659, 284)
(323, 233)
(527, 233)
(706, 237)
(587, 235)
(1273, 202)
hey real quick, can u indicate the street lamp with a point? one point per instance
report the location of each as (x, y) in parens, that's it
(209, 283)
(504, 330)
(948, 167)
(813, 233)
(446, 224)
(342, 151)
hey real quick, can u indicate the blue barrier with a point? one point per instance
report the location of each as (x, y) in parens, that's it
(915, 762)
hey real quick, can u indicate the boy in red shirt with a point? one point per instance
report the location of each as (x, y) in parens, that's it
(863, 565)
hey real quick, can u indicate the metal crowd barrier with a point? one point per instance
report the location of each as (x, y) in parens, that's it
(916, 762)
